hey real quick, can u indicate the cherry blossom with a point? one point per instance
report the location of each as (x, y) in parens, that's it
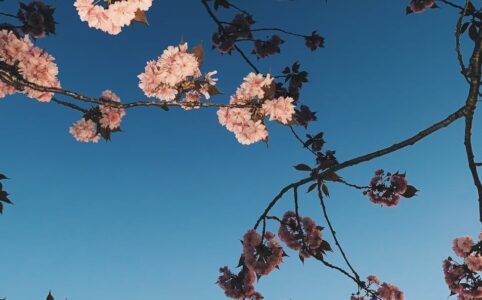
(99, 121)
(462, 245)
(260, 257)
(386, 189)
(111, 116)
(85, 131)
(174, 73)
(238, 286)
(34, 64)
(281, 109)
(298, 235)
(463, 279)
(112, 18)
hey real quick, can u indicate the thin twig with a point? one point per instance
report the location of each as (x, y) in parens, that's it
(221, 28)
(333, 232)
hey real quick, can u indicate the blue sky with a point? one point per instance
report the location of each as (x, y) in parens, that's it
(154, 213)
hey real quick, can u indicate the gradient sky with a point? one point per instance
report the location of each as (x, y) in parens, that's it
(154, 213)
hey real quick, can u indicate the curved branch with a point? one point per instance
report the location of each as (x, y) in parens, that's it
(363, 158)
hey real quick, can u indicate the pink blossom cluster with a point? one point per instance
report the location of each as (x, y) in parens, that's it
(384, 291)
(388, 291)
(281, 109)
(177, 72)
(418, 6)
(386, 189)
(104, 118)
(463, 279)
(247, 124)
(85, 131)
(298, 235)
(34, 64)
(111, 19)
(111, 116)
(238, 286)
(260, 257)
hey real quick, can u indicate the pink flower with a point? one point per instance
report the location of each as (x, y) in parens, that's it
(172, 73)
(240, 286)
(192, 97)
(261, 257)
(251, 132)
(388, 291)
(281, 109)
(372, 279)
(298, 235)
(111, 19)
(462, 245)
(474, 262)
(84, 131)
(386, 189)
(253, 85)
(111, 116)
(35, 65)
(166, 93)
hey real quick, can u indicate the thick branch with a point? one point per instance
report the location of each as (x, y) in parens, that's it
(471, 105)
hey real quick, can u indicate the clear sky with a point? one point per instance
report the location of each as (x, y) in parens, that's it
(154, 213)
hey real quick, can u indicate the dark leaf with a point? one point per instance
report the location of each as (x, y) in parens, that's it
(408, 10)
(140, 17)
(410, 192)
(198, 53)
(49, 296)
(4, 197)
(269, 91)
(324, 188)
(332, 177)
(311, 187)
(218, 3)
(302, 167)
(213, 90)
(473, 34)
(325, 246)
(302, 258)
(3, 177)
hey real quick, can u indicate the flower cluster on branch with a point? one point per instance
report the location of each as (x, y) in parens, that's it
(463, 279)
(32, 63)
(112, 17)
